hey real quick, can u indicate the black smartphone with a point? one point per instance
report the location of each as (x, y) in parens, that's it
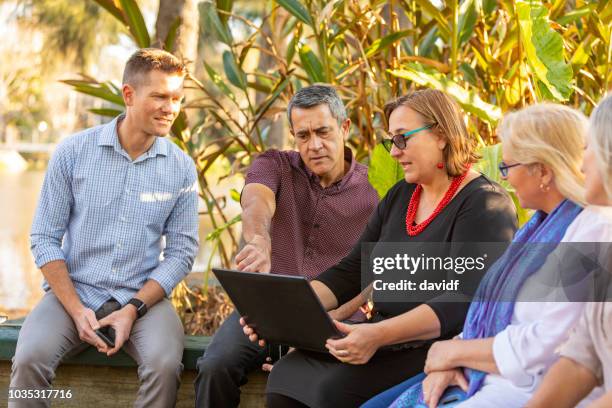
(107, 337)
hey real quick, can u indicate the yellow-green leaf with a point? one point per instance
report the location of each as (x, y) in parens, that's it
(383, 171)
(311, 64)
(381, 43)
(468, 100)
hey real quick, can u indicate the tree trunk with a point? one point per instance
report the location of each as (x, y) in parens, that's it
(186, 45)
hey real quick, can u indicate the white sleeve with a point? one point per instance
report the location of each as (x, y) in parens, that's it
(524, 351)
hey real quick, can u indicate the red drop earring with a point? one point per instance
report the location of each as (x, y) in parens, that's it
(440, 165)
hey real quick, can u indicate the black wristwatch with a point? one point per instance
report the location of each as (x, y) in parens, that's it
(141, 307)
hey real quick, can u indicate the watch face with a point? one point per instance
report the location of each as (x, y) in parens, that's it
(141, 307)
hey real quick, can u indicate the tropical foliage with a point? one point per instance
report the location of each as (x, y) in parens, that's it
(492, 56)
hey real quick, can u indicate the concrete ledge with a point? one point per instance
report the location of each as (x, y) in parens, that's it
(113, 381)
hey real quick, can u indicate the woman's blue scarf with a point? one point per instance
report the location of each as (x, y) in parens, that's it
(487, 315)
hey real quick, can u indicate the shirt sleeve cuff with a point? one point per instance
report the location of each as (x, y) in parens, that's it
(507, 362)
(168, 274)
(47, 255)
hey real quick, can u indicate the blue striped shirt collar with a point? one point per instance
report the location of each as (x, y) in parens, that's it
(110, 137)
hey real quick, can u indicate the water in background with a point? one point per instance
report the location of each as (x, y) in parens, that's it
(20, 280)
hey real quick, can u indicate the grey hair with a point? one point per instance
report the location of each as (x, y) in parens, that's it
(315, 95)
(601, 137)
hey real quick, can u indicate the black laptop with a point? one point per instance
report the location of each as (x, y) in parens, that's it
(282, 309)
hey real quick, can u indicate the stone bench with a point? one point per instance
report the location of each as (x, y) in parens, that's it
(100, 381)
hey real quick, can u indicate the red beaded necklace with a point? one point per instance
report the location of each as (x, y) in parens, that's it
(414, 230)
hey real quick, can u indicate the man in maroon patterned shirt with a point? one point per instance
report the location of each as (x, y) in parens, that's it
(302, 211)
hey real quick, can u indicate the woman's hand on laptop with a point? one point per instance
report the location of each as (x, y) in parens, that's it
(359, 344)
(251, 334)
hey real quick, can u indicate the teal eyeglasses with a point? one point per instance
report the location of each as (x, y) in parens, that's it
(399, 140)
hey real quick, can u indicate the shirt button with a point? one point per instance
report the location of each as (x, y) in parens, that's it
(118, 245)
(316, 225)
(114, 270)
(122, 219)
(127, 190)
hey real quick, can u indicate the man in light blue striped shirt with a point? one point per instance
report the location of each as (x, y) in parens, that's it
(116, 198)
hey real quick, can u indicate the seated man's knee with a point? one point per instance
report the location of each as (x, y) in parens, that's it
(211, 366)
(163, 366)
(30, 357)
(32, 364)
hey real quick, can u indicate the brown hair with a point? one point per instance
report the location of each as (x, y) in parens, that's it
(443, 113)
(146, 60)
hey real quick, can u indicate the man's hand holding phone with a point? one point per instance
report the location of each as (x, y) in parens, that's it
(86, 325)
(121, 322)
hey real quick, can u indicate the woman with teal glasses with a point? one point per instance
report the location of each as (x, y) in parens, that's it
(440, 200)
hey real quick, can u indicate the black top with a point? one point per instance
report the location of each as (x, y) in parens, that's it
(481, 212)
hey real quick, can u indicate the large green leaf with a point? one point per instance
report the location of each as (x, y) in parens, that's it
(468, 100)
(234, 73)
(210, 21)
(218, 80)
(298, 10)
(381, 43)
(311, 64)
(136, 23)
(383, 171)
(544, 50)
(99, 90)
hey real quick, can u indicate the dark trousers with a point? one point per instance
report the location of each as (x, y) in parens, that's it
(224, 366)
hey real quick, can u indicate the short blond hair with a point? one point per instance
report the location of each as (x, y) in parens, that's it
(146, 60)
(445, 116)
(552, 135)
(600, 135)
